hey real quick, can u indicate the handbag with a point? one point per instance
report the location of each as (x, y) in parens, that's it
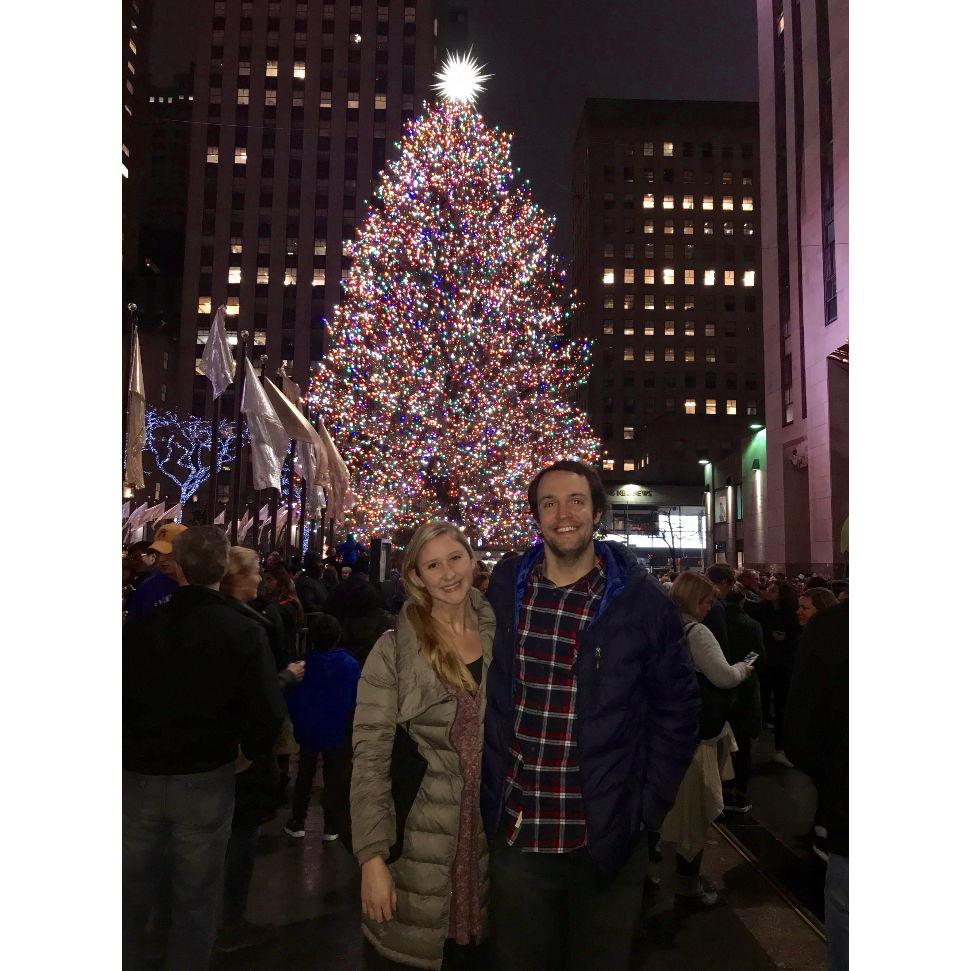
(716, 704)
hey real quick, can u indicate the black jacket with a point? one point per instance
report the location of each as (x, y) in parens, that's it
(744, 636)
(637, 703)
(350, 595)
(312, 593)
(198, 680)
(818, 718)
(714, 620)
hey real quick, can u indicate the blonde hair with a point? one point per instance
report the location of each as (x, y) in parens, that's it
(242, 559)
(688, 590)
(435, 648)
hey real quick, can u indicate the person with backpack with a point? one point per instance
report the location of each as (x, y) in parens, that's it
(699, 801)
(321, 709)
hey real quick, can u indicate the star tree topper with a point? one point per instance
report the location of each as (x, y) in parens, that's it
(460, 79)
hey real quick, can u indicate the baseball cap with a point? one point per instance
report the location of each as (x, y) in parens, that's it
(165, 536)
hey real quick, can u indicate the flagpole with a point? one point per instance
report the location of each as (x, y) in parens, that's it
(238, 469)
(214, 458)
(274, 500)
(258, 493)
(132, 334)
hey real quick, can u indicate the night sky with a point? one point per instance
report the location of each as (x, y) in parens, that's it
(546, 56)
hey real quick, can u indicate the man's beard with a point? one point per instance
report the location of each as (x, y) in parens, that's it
(567, 556)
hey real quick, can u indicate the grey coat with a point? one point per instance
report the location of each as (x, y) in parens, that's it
(398, 687)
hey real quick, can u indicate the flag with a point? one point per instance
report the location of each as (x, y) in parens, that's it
(220, 519)
(268, 440)
(290, 389)
(174, 513)
(154, 513)
(294, 424)
(217, 362)
(126, 505)
(135, 519)
(339, 495)
(135, 439)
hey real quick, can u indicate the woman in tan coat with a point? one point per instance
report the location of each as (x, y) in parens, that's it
(426, 909)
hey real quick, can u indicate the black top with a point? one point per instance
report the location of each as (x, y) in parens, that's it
(475, 669)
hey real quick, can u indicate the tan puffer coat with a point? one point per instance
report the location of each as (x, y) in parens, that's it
(398, 687)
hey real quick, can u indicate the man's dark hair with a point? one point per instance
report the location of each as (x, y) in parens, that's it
(203, 554)
(325, 633)
(839, 586)
(312, 564)
(720, 573)
(598, 495)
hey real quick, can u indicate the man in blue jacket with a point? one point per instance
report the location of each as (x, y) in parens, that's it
(591, 720)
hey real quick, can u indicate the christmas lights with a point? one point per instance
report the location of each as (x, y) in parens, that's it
(448, 378)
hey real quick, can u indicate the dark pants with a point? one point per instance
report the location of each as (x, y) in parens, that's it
(185, 820)
(558, 912)
(456, 957)
(780, 678)
(240, 857)
(336, 774)
(742, 764)
(838, 912)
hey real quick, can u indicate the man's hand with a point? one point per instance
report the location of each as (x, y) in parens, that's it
(378, 898)
(296, 668)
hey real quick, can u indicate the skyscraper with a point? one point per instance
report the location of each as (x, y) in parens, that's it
(666, 262)
(297, 107)
(803, 100)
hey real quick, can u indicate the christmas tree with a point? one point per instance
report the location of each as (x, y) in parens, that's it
(447, 380)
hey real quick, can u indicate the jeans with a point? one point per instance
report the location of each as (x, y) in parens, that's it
(184, 820)
(558, 912)
(240, 857)
(838, 913)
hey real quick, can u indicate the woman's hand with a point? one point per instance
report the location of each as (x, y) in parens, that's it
(296, 668)
(378, 898)
(746, 669)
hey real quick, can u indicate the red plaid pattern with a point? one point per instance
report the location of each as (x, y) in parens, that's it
(544, 806)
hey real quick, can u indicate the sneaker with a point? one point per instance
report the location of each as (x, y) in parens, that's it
(703, 900)
(330, 837)
(739, 806)
(780, 758)
(295, 829)
(237, 937)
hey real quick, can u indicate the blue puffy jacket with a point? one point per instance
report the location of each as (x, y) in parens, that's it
(322, 705)
(637, 703)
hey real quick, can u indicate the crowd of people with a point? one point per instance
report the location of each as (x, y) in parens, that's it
(504, 752)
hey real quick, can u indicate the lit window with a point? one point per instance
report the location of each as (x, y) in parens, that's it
(648, 301)
(628, 276)
(689, 228)
(710, 356)
(726, 177)
(648, 275)
(748, 229)
(325, 99)
(629, 465)
(669, 149)
(609, 302)
(668, 227)
(648, 149)
(689, 277)
(240, 156)
(731, 407)
(608, 249)
(748, 278)
(204, 306)
(628, 328)
(628, 352)
(608, 465)
(648, 201)
(689, 406)
(608, 326)
(271, 69)
(244, 67)
(608, 276)
(709, 228)
(649, 330)
(263, 274)
(689, 328)
(688, 202)
(648, 227)
(707, 202)
(380, 102)
(353, 99)
(232, 306)
(669, 303)
(319, 278)
(709, 329)
(648, 355)
(729, 278)
(667, 275)
(299, 69)
(709, 278)
(747, 204)
(628, 301)
(628, 433)
(669, 328)
(668, 202)
(728, 203)
(242, 96)
(689, 355)
(689, 303)
(728, 228)
(235, 275)
(711, 406)
(751, 408)
(289, 276)
(669, 354)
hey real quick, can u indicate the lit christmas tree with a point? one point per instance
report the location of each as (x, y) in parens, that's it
(447, 382)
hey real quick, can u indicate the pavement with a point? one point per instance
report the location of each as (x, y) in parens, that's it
(305, 893)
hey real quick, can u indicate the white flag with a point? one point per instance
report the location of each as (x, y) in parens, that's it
(294, 424)
(220, 519)
(217, 362)
(339, 496)
(126, 505)
(268, 440)
(154, 513)
(135, 519)
(136, 419)
(174, 513)
(290, 389)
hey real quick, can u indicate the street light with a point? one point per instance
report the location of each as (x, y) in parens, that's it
(756, 426)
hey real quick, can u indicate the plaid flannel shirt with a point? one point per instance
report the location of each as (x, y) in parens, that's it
(544, 809)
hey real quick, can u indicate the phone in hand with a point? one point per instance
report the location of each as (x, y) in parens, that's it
(750, 658)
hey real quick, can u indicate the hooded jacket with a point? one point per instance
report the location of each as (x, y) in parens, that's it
(637, 703)
(398, 687)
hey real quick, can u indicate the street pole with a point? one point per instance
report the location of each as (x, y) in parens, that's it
(238, 470)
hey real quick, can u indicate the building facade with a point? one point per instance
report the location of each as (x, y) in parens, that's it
(297, 106)
(667, 267)
(803, 99)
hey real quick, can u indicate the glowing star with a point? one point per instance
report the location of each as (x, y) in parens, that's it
(460, 79)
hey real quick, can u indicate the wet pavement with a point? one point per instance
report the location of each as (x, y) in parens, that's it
(305, 894)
